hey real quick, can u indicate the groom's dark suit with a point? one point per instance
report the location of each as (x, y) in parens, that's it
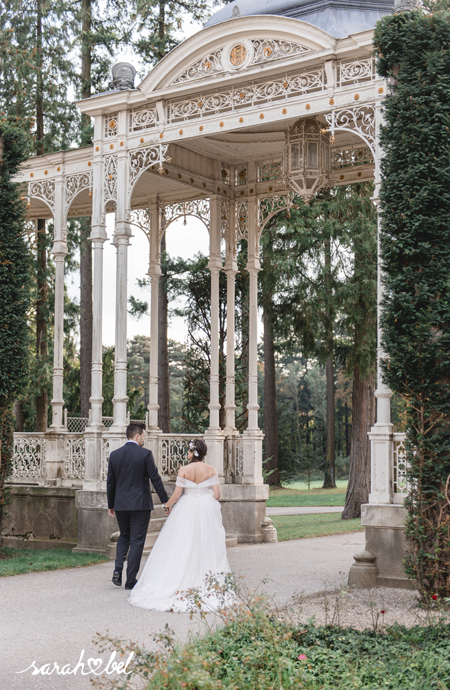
(129, 470)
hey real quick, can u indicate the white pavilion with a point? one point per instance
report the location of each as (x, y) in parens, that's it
(270, 99)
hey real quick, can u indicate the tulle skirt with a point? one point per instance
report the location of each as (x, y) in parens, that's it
(189, 550)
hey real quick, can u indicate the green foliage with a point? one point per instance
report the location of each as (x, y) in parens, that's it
(414, 50)
(14, 295)
(253, 648)
(157, 25)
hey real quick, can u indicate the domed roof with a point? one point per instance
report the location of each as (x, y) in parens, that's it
(339, 18)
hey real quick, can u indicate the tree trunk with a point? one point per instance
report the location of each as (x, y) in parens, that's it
(163, 350)
(270, 401)
(347, 434)
(19, 416)
(330, 471)
(85, 317)
(41, 323)
(363, 418)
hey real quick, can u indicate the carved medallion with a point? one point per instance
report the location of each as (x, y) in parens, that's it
(237, 55)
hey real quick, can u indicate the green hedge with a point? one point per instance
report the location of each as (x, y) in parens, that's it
(414, 53)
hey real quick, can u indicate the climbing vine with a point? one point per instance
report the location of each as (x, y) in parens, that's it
(414, 54)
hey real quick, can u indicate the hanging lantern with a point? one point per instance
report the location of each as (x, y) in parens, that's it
(307, 159)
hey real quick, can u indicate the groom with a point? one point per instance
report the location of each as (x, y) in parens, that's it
(130, 500)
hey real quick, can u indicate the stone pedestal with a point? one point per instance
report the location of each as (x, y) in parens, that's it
(95, 526)
(244, 510)
(385, 540)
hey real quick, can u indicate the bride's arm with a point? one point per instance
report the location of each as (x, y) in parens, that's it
(216, 491)
(174, 498)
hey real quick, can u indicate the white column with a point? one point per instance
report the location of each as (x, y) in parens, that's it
(252, 435)
(154, 271)
(230, 404)
(58, 341)
(59, 251)
(98, 238)
(121, 242)
(214, 435)
(230, 269)
(380, 435)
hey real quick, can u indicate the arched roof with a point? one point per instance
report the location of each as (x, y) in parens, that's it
(339, 18)
(166, 72)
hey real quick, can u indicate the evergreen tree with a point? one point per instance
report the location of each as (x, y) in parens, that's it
(14, 295)
(414, 54)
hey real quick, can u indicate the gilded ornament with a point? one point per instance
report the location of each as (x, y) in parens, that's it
(142, 140)
(381, 90)
(222, 124)
(307, 106)
(31, 174)
(179, 176)
(284, 111)
(97, 148)
(111, 146)
(331, 101)
(356, 96)
(161, 136)
(45, 172)
(58, 168)
(241, 120)
(237, 55)
(261, 117)
(122, 143)
(180, 132)
(201, 128)
(191, 181)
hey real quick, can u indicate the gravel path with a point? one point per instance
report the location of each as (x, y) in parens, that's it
(297, 510)
(374, 609)
(52, 616)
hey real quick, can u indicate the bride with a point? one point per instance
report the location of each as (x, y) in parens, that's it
(191, 545)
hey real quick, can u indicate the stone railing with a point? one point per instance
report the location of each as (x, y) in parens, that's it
(74, 456)
(399, 467)
(170, 450)
(173, 449)
(28, 461)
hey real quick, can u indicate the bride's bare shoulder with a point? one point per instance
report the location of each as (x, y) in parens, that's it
(210, 469)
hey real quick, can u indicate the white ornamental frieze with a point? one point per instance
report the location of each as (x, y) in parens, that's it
(351, 71)
(110, 185)
(246, 96)
(76, 184)
(43, 190)
(270, 206)
(241, 220)
(244, 53)
(144, 158)
(198, 208)
(142, 119)
(358, 119)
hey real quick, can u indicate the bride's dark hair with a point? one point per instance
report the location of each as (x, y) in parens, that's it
(199, 448)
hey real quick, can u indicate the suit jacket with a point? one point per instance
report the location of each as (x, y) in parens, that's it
(127, 485)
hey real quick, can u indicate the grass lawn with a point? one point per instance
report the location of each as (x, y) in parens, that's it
(297, 494)
(20, 561)
(320, 525)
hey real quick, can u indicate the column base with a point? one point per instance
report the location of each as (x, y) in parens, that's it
(95, 526)
(381, 564)
(253, 439)
(244, 511)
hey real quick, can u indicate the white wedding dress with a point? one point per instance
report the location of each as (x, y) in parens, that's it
(191, 546)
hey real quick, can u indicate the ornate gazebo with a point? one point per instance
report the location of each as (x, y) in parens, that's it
(233, 122)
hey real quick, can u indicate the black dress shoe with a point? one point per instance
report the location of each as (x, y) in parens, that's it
(117, 578)
(128, 586)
